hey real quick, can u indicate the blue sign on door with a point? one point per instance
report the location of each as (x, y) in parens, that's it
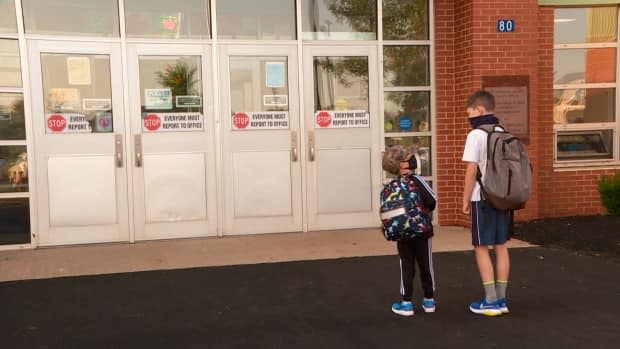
(505, 25)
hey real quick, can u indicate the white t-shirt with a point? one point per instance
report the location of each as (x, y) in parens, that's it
(476, 151)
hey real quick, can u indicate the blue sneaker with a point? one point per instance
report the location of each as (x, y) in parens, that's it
(403, 308)
(484, 308)
(503, 305)
(428, 305)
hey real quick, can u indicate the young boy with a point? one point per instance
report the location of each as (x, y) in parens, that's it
(402, 163)
(489, 227)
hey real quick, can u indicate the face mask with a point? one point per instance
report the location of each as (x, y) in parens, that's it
(413, 163)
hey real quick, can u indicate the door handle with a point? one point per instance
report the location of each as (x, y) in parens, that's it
(137, 148)
(293, 146)
(118, 150)
(311, 145)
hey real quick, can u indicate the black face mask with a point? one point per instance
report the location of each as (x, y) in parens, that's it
(413, 163)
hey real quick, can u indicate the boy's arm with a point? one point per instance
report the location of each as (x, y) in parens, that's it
(471, 171)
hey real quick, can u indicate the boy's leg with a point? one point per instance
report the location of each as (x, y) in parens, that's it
(424, 257)
(485, 268)
(503, 233)
(483, 228)
(407, 269)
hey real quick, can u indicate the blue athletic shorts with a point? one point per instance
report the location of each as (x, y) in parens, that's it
(488, 225)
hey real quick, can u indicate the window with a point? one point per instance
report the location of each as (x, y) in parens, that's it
(186, 19)
(339, 19)
(407, 78)
(8, 23)
(70, 17)
(14, 188)
(256, 20)
(585, 89)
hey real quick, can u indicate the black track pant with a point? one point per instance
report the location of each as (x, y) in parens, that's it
(409, 251)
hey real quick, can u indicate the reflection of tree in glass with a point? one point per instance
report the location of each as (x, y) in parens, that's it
(180, 78)
(405, 19)
(14, 128)
(359, 14)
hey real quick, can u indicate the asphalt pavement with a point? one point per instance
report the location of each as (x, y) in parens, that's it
(558, 299)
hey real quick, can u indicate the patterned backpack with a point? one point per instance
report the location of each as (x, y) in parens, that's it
(403, 212)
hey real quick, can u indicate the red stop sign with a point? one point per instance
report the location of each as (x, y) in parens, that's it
(152, 122)
(241, 120)
(56, 123)
(323, 119)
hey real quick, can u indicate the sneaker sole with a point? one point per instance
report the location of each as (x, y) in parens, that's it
(429, 310)
(486, 312)
(504, 310)
(403, 312)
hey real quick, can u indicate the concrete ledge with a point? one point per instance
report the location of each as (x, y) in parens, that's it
(190, 253)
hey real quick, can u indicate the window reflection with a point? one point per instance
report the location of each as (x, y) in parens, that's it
(13, 169)
(405, 19)
(585, 145)
(407, 111)
(77, 93)
(406, 66)
(171, 93)
(585, 25)
(12, 116)
(256, 20)
(577, 106)
(167, 19)
(423, 150)
(8, 23)
(253, 78)
(70, 17)
(14, 221)
(578, 66)
(339, 19)
(9, 64)
(341, 83)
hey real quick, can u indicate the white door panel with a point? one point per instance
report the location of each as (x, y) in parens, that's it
(79, 124)
(173, 150)
(342, 136)
(260, 145)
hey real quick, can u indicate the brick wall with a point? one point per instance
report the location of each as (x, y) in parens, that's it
(468, 48)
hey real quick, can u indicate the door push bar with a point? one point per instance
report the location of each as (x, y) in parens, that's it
(118, 150)
(137, 148)
(293, 146)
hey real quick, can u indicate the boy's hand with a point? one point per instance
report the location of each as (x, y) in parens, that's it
(466, 207)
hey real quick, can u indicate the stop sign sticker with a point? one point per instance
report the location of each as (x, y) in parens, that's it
(323, 119)
(56, 123)
(241, 120)
(152, 122)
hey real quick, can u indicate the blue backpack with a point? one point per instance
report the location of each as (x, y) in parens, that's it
(406, 203)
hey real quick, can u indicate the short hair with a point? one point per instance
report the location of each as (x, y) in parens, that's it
(393, 156)
(481, 98)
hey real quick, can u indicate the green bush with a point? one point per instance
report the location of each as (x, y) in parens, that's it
(609, 188)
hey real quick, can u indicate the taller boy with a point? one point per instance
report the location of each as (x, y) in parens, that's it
(489, 227)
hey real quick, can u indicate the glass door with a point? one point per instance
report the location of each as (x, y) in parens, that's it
(342, 136)
(78, 122)
(173, 148)
(262, 189)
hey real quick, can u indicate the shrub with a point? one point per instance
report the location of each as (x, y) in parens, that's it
(609, 188)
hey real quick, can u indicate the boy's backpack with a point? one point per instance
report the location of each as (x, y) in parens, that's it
(403, 212)
(508, 177)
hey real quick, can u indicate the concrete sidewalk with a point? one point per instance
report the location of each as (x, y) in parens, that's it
(189, 253)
